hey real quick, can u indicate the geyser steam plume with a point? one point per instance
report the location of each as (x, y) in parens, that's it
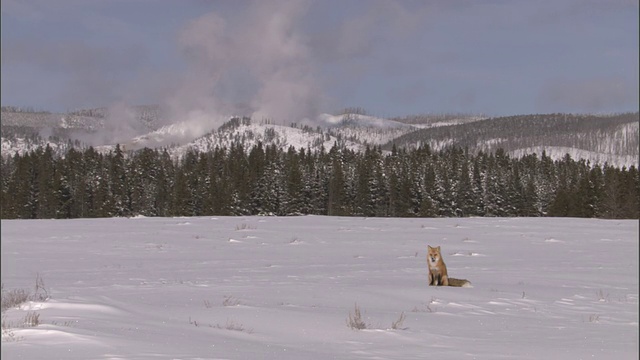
(257, 63)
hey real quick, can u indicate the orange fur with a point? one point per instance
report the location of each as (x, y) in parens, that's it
(437, 269)
(438, 275)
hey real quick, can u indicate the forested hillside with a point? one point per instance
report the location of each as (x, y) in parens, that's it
(268, 180)
(86, 119)
(612, 139)
(615, 134)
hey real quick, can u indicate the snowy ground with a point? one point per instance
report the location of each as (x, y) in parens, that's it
(283, 288)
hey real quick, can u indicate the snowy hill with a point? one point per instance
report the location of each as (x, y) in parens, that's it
(350, 130)
(609, 139)
(364, 129)
(596, 138)
(51, 120)
(249, 135)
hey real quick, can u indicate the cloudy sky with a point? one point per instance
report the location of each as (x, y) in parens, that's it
(292, 59)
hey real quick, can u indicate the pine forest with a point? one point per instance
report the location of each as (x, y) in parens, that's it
(267, 180)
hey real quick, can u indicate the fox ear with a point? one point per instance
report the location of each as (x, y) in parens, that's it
(429, 246)
(438, 248)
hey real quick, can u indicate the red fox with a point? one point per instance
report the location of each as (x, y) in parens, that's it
(438, 270)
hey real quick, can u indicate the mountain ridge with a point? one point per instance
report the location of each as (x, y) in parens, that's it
(599, 139)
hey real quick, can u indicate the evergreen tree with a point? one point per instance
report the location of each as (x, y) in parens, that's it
(164, 185)
(427, 205)
(365, 202)
(62, 192)
(73, 184)
(477, 187)
(337, 194)
(268, 180)
(292, 204)
(119, 191)
(495, 197)
(465, 198)
(143, 182)
(6, 172)
(27, 187)
(46, 200)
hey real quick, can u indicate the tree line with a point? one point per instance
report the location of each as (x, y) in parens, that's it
(267, 180)
(598, 133)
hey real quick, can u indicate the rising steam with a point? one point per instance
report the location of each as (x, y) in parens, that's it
(263, 62)
(257, 64)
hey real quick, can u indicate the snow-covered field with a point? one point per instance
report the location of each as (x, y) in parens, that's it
(283, 288)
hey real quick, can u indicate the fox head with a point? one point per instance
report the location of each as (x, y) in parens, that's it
(434, 254)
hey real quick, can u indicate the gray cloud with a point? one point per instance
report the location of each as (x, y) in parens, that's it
(594, 95)
(376, 22)
(289, 60)
(91, 74)
(411, 93)
(258, 60)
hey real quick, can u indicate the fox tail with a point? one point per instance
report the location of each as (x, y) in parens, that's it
(459, 282)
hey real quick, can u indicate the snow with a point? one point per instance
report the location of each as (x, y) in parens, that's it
(20, 145)
(352, 131)
(451, 122)
(283, 288)
(365, 129)
(250, 135)
(559, 152)
(361, 120)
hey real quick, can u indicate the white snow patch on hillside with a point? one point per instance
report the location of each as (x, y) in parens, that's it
(558, 153)
(450, 122)
(249, 136)
(436, 145)
(178, 133)
(361, 121)
(23, 146)
(146, 288)
(166, 133)
(364, 129)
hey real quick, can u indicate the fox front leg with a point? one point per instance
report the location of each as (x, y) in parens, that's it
(437, 280)
(434, 279)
